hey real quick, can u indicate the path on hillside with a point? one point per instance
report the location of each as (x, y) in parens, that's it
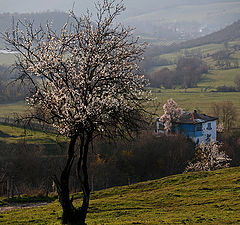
(20, 206)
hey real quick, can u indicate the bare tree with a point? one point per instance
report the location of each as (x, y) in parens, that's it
(237, 81)
(85, 81)
(226, 113)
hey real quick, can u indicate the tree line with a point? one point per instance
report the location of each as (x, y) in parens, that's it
(187, 74)
(110, 164)
(30, 167)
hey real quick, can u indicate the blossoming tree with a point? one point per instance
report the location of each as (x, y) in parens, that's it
(209, 157)
(85, 84)
(171, 113)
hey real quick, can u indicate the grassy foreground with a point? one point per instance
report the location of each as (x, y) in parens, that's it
(191, 198)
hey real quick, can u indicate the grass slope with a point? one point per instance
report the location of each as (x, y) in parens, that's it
(197, 98)
(11, 109)
(191, 198)
(12, 135)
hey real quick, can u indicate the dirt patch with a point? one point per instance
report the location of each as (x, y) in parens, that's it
(20, 206)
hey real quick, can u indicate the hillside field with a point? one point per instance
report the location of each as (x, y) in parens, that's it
(202, 96)
(10, 109)
(191, 99)
(13, 135)
(190, 198)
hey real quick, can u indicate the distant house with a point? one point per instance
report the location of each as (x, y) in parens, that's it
(199, 127)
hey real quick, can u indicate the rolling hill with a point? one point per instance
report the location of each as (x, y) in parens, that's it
(229, 33)
(190, 198)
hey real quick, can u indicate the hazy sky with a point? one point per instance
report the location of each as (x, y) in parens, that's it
(140, 12)
(21, 6)
(41, 5)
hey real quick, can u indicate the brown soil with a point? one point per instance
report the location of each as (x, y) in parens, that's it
(20, 206)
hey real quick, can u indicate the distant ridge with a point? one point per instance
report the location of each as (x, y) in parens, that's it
(6, 20)
(229, 33)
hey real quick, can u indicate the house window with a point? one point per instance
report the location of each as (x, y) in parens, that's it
(209, 127)
(199, 127)
(208, 137)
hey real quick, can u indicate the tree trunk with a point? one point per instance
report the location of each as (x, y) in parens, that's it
(82, 174)
(72, 215)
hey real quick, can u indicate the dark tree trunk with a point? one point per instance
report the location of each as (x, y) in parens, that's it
(82, 173)
(71, 215)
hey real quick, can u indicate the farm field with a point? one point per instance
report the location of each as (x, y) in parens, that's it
(216, 78)
(204, 50)
(202, 96)
(12, 135)
(190, 198)
(195, 99)
(199, 98)
(10, 109)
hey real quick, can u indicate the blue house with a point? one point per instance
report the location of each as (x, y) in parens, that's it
(199, 127)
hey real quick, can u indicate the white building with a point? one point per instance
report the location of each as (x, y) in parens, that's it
(199, 127)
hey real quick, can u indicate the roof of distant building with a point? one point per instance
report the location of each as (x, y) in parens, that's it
(194, 118)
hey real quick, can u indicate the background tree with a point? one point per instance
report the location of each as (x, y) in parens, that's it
(237, 82)
(146, 157)
(190, 70)
(226, 113)
(209, 157)
(9, 90)
(187, 74)
(84, 79)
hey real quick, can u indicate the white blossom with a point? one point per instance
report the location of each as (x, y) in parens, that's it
(171, 113)
(208, 158)
(85, 73)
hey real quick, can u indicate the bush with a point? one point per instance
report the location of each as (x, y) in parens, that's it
(148, 157)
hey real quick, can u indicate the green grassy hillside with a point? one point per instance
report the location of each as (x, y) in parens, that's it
(12, 135)
(197, 98)
(10, 109)
(202, 96)
(191, 198)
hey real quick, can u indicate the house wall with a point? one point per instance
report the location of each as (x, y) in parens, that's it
(208, 132)
(188, 130)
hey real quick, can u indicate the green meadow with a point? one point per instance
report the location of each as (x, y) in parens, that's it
(189, 198)
(191, 99)
(12, 135)
(11, 109)
(200, 98)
